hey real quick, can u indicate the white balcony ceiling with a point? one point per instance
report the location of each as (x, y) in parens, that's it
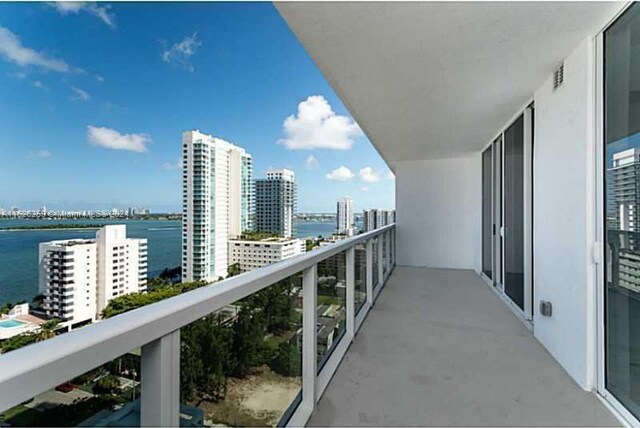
(434, 80)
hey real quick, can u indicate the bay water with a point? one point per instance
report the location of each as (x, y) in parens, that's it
(19, 248)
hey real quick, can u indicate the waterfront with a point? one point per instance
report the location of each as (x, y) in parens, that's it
(19, 249)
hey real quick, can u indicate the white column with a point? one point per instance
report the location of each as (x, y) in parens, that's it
(309, 340)
(380, 260)
(393, 239)
(351, 282)
(160, 394)
(369, 283)
(387, 252)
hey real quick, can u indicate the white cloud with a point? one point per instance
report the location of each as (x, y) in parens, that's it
(112, 139)
(20, 75)
(391, 176)
(38, 84)
(368, 175)
(101, 12)
(79, 94)
(340, 174)
(66, 7)
(311, 162)
(12, 50)
(170, 166)
(182, 52)
(364, 189)
(40, 154)
(99, 78)
(317, 126)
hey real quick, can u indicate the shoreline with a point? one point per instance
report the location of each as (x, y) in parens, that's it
(49, 229)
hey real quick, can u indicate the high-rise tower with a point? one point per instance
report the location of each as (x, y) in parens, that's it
(217, 194)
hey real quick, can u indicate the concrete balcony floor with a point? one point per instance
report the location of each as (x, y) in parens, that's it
(440, 348)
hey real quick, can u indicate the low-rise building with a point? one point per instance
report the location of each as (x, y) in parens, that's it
(253, 254)
(78, 277)
(18, 321)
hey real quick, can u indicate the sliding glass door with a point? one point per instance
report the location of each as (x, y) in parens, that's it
(507, 212)
(497, 212)
(514, 212)
(492, 212)
(622, 202)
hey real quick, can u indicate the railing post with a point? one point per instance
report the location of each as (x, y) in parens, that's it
(386, 252)
(369, 282)
(380, 260)
(351, 283)
(160, 393)
(309, 340)
(393, 246)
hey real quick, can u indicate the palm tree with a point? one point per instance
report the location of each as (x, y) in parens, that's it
(47, 330)
(37, 300)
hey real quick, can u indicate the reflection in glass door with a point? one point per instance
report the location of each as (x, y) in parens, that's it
(497, 212)
(622, 202)
(487, 213)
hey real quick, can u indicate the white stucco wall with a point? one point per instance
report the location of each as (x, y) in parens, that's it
(438, 209)
(563, 220)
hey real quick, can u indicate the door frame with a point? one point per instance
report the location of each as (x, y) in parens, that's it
(497, 282)
(600, 246)
(491, 219)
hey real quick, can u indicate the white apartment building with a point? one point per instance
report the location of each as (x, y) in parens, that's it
(344, 216)
(374, 219)
(276, 202)
(122, 264)
(217, 196)
(78, 277)
(251, 255)
(68, 279)
(368, 220)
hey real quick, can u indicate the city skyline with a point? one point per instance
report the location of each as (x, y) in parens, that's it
(232, 71)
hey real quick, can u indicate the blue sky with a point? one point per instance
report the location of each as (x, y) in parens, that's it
(94, 98)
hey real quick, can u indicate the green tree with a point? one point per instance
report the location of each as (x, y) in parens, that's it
(155, 283)
(47, 330)
(17, 342)
(248, 342)
(233, 270)
(206, 359)
(107, 385)
(309, 244)
(257, 235)
(288, 360)
(4, 309)
(37, 300)
(132, 301)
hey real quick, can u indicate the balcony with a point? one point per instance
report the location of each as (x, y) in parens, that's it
(414, 346)
(497, 139)
(440, 348)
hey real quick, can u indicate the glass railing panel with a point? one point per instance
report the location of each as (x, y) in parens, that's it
(332, 303)
(360, 285)
(108, 395)
(242, 366)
